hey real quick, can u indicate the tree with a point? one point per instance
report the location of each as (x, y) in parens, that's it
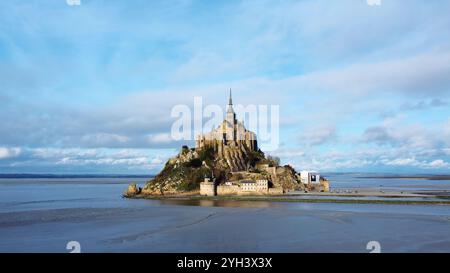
(273, 160)
(254, 157)
(184, 149)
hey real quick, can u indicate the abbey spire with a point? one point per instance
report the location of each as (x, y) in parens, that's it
(230, 104)
(231, 119)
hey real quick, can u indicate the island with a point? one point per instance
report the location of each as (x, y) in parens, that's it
(227, 162)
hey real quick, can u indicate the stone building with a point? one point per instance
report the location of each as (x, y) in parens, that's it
(208, 187)
(262, 185)
(309, 177)
(230, 140)
(248, 186)
(258, 186)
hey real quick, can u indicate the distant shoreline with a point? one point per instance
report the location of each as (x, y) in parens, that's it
(26, 175)
(418, 177)
(356, 175)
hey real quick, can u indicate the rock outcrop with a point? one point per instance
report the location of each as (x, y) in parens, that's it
(228, 153)
(132, 190)
(184, 172)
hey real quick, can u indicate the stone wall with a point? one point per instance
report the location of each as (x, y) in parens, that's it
(207, 188)
(275, 191)
(237, 190)
(228, 190)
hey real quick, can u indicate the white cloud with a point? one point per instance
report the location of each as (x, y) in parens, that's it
(9, 152)
(423, 104)
(426, 74)
(156, 161)
(403, 134)
(115, 161)
(402, 162)
(288, 153)
(160, 138)
(318, 135)
(119, 158)
(439, 163)
(412, 162)
(49, 153)
(101, 139)
(327, 69)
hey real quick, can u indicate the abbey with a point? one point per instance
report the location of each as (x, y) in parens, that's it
(227, 161)
(231, 137)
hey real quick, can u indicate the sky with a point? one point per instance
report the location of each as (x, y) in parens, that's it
(89, 88)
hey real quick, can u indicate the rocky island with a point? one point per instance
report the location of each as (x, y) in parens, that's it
(226, 161)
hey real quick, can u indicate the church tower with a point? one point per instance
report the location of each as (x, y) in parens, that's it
(231, 121)
(229, 135)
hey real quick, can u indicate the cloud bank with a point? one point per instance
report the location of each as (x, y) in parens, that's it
(91, 88)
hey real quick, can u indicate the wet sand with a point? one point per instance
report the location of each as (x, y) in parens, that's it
(362, 192)
(252, 227)
(350, 196)
(44, 215)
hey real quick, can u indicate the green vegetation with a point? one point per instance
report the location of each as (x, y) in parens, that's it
(206, 154)
(184, 149)
(192, 180)
(187, 170)
(185, 176)
(273, 160)
(193, 163)
(189, 175)
(254, 157)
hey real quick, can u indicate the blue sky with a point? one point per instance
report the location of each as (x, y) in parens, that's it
(89, 88)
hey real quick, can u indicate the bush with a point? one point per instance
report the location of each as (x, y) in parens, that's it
(206, 153)
(184, 149)
(192, 179)
(193, 163)
(187, 186)
(273, 160)
(220, 175)
(254, 157)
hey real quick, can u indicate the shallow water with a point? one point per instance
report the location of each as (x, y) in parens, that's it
(42, 215)
(371, 198)
(339, 181)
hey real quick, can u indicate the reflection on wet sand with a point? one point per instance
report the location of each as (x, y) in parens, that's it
(221, 203)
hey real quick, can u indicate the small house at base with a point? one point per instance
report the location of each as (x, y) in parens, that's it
(208, 187)
(309, 177)
(314, 181)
